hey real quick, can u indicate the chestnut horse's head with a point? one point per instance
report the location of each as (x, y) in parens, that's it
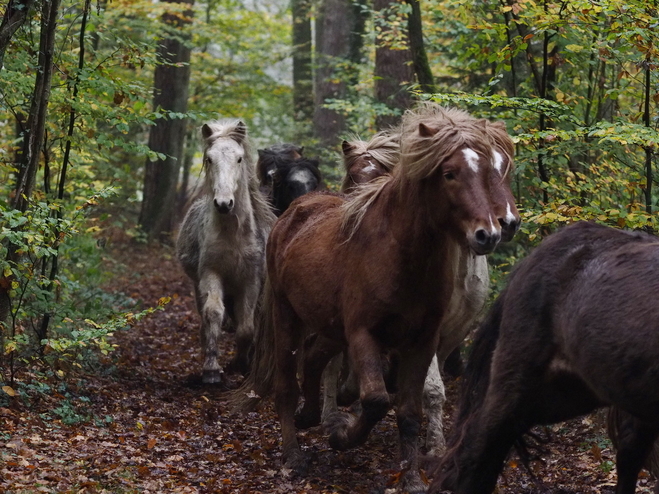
(368, 160)
(226, 161)
(453, 158)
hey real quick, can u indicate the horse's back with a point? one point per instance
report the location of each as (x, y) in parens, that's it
(611, 321)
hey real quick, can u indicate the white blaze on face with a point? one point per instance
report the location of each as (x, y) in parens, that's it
(472, 158)
(510, 217)
(371, 167)
(497, 161)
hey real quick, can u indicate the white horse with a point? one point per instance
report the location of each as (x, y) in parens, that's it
(221, 244)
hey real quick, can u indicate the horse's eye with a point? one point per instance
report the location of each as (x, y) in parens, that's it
(449, 176)
(240, 160)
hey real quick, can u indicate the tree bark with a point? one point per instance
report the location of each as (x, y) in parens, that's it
(419, 56)
(393, 71)
(303, 103)
(171, 81)
(332, 47)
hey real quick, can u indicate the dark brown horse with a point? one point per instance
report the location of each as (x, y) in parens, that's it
(576, 328)
(374, 272)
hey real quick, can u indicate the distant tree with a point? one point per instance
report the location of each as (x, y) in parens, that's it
(16, 13)
(333, 30)
(167, 136)
(394, 70)
(303, 102)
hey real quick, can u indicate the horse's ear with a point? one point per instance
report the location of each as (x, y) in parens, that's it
(426, 130)
(206, 131)
(347, 147)
(240, 132)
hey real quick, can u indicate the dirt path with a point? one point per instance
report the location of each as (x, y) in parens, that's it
(144, 424)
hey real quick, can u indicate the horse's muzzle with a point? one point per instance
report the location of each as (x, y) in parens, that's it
(224, 207)
(484, 242)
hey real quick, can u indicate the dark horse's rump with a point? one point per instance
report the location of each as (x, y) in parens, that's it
(577, 327)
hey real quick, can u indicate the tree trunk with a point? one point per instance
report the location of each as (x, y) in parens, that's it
(332, 48)
(303, 103)
(393, 71)
(33, 137)
(171, 79)
(419, 56)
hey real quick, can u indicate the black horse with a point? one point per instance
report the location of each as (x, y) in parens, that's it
(285, 175)
(576, 328)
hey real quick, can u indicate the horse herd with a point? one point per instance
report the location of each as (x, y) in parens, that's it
(382, 281)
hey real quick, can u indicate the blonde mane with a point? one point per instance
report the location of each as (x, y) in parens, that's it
(449, 129)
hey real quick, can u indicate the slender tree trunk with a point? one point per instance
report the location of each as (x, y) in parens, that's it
(33, 137)
(393, 71)
(419, 56)
(303, 101)
(332, 47)
(14, 17)
(171, 80)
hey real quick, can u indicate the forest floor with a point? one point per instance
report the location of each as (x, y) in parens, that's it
(143, 423)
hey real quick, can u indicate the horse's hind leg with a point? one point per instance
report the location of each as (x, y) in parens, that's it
(346, 430)
(286, 325)
(244, 307)
(211, 309)
(635, 442)
(412, 377)
(434, 397)
(316, 358)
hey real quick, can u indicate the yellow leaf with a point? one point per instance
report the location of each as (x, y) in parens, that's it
(9, 390)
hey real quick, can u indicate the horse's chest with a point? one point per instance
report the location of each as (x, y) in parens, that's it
(232, 259)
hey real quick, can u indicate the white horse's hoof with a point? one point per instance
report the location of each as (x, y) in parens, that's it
(211, 377)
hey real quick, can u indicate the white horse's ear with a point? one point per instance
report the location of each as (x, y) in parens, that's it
(206, 131)
(240, 132)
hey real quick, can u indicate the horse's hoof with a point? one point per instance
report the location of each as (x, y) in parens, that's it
(306, 419)
(337, 424)
(211, 376)
(297, 463)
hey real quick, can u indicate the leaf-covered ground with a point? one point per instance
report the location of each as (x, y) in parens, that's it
(143, 423)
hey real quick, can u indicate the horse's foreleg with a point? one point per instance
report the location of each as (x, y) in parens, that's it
(211, 305)
(331, 386)
(635, 442)
(412, 375)
(346, 430)
(245, 306)
(434, 397)
(315, 360)
(286, 387)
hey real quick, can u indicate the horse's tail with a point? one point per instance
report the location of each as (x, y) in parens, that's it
(259, 383)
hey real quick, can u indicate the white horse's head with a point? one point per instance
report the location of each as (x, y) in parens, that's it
(226, 161)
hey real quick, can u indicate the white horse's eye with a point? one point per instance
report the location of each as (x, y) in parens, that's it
(240, 160)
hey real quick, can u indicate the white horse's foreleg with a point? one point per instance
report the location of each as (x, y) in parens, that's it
(331, 386)
(434, 397)
(212, 312)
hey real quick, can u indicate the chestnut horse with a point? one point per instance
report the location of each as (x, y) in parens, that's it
(365, 161)
(221, 243)
(373, 272)
(576, 328)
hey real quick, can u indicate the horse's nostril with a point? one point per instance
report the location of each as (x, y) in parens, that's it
(231, 204)
(223, 207)
(481, 236)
